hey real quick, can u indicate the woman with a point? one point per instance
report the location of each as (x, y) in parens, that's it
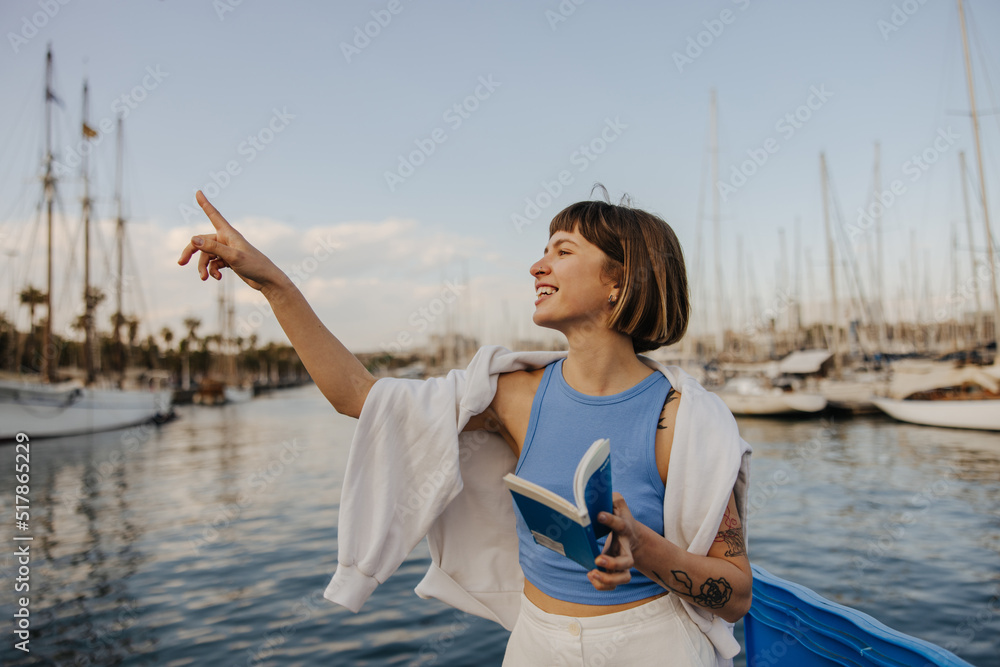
(674, 574)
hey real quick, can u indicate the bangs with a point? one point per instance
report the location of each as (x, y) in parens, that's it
(644, 257)
(589, 220)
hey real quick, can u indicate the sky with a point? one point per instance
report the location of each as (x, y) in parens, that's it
(401, 160)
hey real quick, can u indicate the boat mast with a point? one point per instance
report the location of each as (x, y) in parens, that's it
(982, 177)
(741, 298)
(698, 327)
(49, 358)
(120, 242)
(797, 297)
(89, 356)
(833, 268)
(954, 285)
(879, 294)
(716, 225)
(972, 248)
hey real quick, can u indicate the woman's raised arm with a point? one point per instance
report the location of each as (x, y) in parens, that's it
(339, 375)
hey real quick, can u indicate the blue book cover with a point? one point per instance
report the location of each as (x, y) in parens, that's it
(564, 526)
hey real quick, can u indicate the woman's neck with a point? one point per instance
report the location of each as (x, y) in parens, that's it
(600, 365)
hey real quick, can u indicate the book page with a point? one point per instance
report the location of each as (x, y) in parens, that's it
(592, 484)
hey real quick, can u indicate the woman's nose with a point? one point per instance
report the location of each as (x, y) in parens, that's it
(539, 268)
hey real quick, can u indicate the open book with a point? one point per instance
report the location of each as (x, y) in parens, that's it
(557, 523)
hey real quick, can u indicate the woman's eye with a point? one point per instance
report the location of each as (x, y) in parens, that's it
(563, 252)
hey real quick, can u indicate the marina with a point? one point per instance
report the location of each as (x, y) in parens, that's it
(209, 540)
(176, 478)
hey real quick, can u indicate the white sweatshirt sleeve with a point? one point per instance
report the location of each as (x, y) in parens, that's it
(402, 471)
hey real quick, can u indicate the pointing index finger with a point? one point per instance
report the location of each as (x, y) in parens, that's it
(213, 213)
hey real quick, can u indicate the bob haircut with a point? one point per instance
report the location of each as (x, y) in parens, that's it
(644, 257)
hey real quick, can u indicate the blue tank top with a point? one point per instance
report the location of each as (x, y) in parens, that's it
(562, 425)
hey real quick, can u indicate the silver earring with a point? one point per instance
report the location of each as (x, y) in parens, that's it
(612, 299)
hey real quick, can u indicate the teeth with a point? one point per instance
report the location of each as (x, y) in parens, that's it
(545, 289)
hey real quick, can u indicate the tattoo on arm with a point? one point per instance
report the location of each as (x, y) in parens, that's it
(671, 396)
(734, 541)
(714, 593)
(732, 535)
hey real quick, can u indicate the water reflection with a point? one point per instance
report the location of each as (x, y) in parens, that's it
(886, 517)
(210, 539)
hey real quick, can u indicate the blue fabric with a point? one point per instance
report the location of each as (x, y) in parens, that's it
(562, 426)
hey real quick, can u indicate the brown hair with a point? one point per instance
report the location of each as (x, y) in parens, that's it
(644, 257)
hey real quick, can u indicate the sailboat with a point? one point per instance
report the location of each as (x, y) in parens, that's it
(46, 407)
(954, 397)
(936, 394)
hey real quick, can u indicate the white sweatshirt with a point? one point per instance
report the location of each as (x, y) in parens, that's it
(412, 472)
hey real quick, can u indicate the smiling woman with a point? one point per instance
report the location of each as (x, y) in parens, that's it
(674, 570)
(642, 256)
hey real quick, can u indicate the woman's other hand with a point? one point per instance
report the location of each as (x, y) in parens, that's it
(617, 558)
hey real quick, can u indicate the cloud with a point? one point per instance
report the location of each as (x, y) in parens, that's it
(369, 281)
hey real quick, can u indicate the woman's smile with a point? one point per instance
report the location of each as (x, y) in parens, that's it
(544, 291)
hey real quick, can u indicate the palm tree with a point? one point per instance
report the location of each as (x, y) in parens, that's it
(132, 323)
(133, 330)
(167, 335)
(192, 323)
(31, 296)
(7, 337)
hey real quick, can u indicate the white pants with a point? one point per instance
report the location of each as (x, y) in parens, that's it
(656, 633)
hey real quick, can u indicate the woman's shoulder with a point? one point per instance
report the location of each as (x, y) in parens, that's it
(519, 383)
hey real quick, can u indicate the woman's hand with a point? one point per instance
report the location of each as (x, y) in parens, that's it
(227, 247)
(617, 557)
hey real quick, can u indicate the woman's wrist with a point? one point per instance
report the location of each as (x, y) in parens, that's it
(279, 288)
(644, 540)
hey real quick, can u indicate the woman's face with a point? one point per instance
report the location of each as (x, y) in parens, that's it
(569, 286)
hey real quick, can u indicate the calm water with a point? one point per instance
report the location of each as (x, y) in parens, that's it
(209, 541)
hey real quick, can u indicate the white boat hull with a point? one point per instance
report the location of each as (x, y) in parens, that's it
(849, 395)
(975, 414)
(43, 411)
(778, 403)
(238, 394)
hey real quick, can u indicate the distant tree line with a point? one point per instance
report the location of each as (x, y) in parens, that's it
(186, 358)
